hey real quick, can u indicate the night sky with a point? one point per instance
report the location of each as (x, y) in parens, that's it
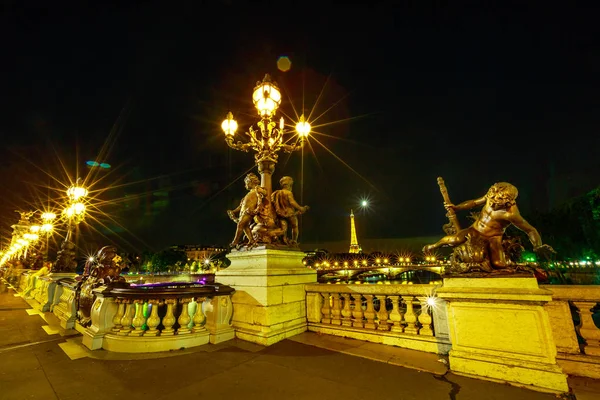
(508, 92)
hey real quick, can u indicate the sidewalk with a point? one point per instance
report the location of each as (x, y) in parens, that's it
(38, 360)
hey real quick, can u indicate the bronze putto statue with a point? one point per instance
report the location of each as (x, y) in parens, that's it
(287, 209)
(264, 220)
(104, 269)
(483, 246)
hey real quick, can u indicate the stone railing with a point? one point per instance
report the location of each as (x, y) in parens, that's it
(65, 303)
(152, 278)
(22, 281)
(578, 346)
(151, 319)
(46, 290)
(40, 292)
(411, 318)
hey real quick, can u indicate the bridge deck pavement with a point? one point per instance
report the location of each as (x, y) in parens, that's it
(38, 360)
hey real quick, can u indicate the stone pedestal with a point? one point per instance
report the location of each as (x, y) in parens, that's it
(269, 303)
(500, 331)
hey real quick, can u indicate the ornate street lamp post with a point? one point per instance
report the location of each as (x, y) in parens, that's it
(46, 229)
(75, 210)
(74, 213)
(266, 141)
(263, 218)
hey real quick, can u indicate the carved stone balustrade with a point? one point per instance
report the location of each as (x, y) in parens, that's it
(41, 292)
(23, 281)
(148, 318)
(65, 307)
(578, 346)
(407, 316)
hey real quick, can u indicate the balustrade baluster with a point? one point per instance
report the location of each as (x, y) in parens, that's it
(587, 329)
(139, 320)
(410, 317)
(396, 315)
(382, 315)
(346, 311)
(199, 317)
(425, 319)
(127, 318)
(153, 320)
(184, 318)
(370, 312)
(117, 318)
(169, 319)
(326, 309)
(357, 312)
(336, 312)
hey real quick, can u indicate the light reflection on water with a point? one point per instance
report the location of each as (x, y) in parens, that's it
(342, 281)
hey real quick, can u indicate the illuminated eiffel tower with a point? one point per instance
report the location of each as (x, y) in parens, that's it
(354, 247)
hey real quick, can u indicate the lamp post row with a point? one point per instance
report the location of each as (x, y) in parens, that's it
(266, 141)
(26, 234)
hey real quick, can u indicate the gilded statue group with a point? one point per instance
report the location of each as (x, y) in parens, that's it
(104, 269)
(262, 219)
(483, 247)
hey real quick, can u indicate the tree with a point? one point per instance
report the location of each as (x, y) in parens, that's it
(165, 260)
(573, 229)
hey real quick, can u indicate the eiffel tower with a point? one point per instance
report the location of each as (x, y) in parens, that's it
(354, 247)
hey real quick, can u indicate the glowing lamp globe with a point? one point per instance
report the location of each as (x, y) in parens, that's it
(78, 208)
(35, 228)
(47, 228)
(48, 216)
(303, 127)
(229, 125)
(68, 212)
(266, 97)
(76, 192)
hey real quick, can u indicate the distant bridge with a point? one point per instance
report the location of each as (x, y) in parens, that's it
(391, 271)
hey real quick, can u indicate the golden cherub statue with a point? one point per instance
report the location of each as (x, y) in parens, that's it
(482, 245)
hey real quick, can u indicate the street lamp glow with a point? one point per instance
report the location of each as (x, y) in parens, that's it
(364, 203)
(266, 97)
(229, 125)
(48, 216)
(303, 127)
(76, 192)
(31, 237)
(46, 228)
(75, 209)
(34, 228)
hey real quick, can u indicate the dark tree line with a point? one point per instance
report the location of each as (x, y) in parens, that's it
(573, 229)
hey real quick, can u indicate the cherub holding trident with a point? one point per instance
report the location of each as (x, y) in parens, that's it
(498, 213)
